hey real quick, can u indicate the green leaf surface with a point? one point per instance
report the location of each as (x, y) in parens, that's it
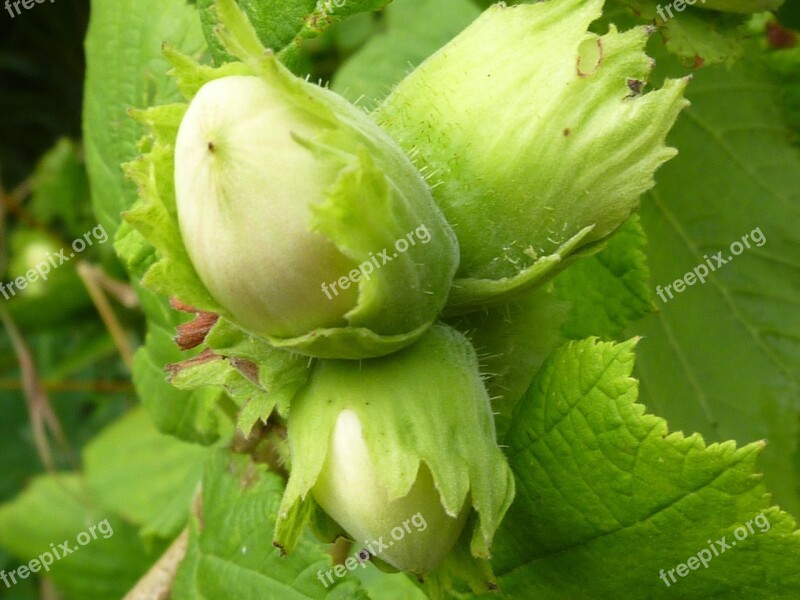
(740, 6)
(126, 69)
(57, 509)
(282, 24)
(721, 357)
(414, 29)
(789, 15)
(599, 479)
(388, 586)
(609, 289)
(784, 66)
(276, 23)
(696, 35)
(166, 471)
(198, 415)
(699, 39)
(61, 188)
(230, 551)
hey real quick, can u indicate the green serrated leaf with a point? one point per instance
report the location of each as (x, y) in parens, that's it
(702, 40)
(281, 25)
(125, 69)
(61, 188)
(112, 138)
(56, 509)
(230, 551)
(699, 37)
(414, 30)
(598, 477)
(609, 289)
(166, 471)
(721, 357)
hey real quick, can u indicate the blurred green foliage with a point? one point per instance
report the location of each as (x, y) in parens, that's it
(691, 365)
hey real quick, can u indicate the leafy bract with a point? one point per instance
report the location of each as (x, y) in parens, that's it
(599, 479)
(438, 376)
(528, 184)
(197, 416)
(376, 197)
(512, 341)
(258, 377)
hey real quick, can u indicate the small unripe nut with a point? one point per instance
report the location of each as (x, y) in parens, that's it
(305, 222)
(244, 188)
(349, 489)
(376, 442)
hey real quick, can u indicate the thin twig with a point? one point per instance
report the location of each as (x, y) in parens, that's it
(122, 291)
(48, 590)
(156, 584)
(3, 235)
(88, 276)
(12, 203)
(109, 387)
(41, 412)
(22, 191)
